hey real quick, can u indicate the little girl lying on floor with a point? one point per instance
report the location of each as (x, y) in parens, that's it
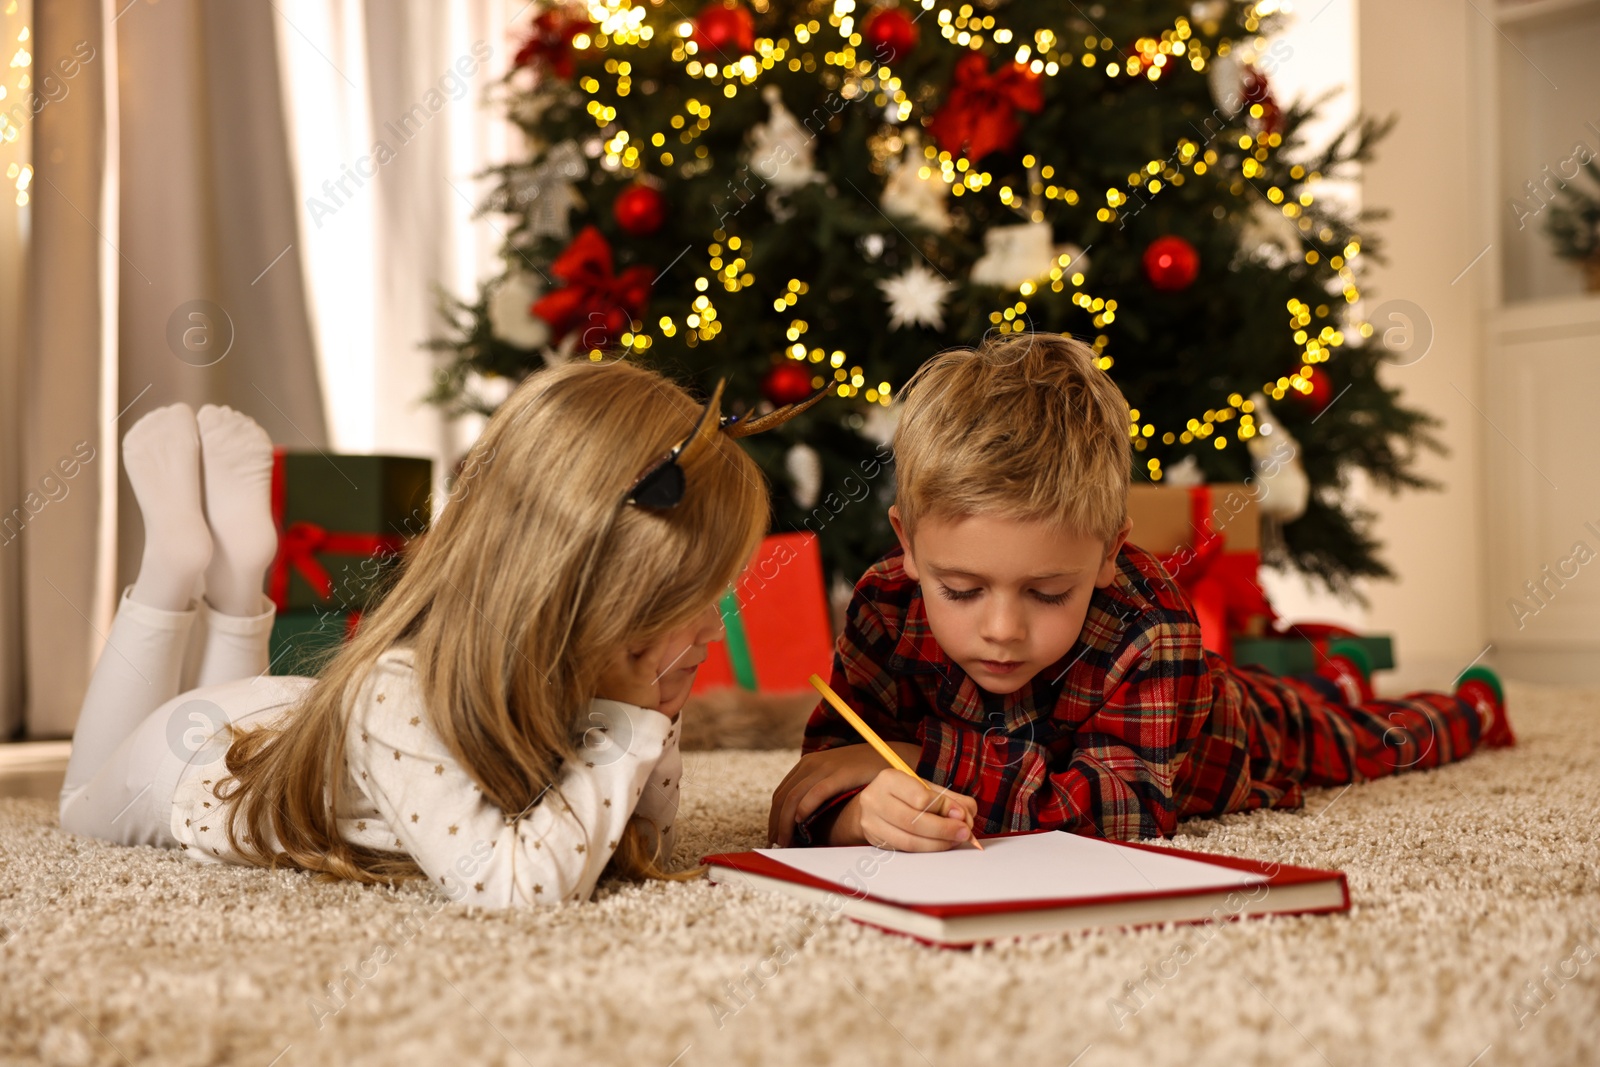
(504, 723)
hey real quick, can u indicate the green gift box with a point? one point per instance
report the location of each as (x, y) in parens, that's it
(1300, 655)
(303, 640)
(342, 523)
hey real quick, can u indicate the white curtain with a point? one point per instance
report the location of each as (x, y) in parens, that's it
(16, 181)
(176, 247)
(388, 128)
(56, 568)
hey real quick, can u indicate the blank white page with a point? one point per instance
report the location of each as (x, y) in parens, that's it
(1032, 867)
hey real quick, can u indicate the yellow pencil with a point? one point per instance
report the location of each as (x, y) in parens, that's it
(871, 738)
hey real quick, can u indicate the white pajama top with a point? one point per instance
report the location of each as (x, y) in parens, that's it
(405, 793)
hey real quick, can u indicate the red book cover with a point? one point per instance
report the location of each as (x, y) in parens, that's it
(1278, 878)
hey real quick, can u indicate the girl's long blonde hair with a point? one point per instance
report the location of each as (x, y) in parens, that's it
(533, 574)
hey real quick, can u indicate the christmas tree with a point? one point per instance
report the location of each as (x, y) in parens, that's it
(793, 194)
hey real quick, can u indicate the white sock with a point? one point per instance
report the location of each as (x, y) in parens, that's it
(237, 458)
(161, 454)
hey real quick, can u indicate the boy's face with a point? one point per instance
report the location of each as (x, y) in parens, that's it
(1005, 598)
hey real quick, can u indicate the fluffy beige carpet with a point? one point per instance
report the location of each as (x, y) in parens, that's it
(1470, 883)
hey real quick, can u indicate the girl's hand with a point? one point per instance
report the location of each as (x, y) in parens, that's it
(899, 812)
(659, 676)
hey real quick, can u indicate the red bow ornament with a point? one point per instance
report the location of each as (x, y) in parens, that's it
(979, 114)
(549, 41)
(594, 299)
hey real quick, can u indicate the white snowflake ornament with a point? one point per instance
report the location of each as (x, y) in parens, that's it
(548, 191)
(916, 297)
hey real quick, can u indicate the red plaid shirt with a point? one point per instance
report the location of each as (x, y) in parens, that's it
(1134, 728)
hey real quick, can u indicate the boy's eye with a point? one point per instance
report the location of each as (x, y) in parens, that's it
(1052, 598)
(956, 594)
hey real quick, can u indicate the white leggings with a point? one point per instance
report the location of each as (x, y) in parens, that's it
(137, 733)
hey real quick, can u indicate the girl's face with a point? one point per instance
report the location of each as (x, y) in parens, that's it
(659, 675)
(680, 655)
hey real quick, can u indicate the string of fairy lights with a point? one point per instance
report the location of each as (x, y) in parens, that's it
(618, 22)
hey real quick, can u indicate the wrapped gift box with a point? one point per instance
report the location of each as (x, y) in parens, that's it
(1209, 540)
(342, 521)
(1164, 518)
(1301, 655)
(778, 633)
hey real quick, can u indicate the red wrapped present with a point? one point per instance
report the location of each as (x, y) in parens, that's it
(1209, 540)
(778, 632)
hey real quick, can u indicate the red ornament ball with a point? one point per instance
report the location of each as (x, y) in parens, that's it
(725, 27)
(1171, 263)
(891, 33)
(1321, 392)
(639, 210)
(787, 383)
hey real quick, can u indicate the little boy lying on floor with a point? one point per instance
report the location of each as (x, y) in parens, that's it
(1017, 650)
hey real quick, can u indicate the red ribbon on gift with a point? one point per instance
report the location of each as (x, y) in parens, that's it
(593, 298)
(979, 114)
(1221, 585)
(300, 543)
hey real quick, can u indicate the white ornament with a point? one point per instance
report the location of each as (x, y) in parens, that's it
(489, 390)
(509, 316)
(1270, 237)
(909, 195)
(1023, 252)
(548, 192)
(782, 152)
(527, 109)
(1184, 474)
(916, 297)
(804, 467)
(1225, 77)
(564, 351)
(1285, 490)
(880, 423)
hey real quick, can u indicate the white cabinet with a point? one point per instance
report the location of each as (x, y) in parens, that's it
(1539, 98)
(1542, 383)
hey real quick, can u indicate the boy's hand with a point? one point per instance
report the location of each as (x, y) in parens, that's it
(821, 776)
(897, 811)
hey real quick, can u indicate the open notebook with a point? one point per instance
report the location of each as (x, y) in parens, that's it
(1031, 883)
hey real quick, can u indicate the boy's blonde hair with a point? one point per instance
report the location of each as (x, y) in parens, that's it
(512, 602)
(1026, 427)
